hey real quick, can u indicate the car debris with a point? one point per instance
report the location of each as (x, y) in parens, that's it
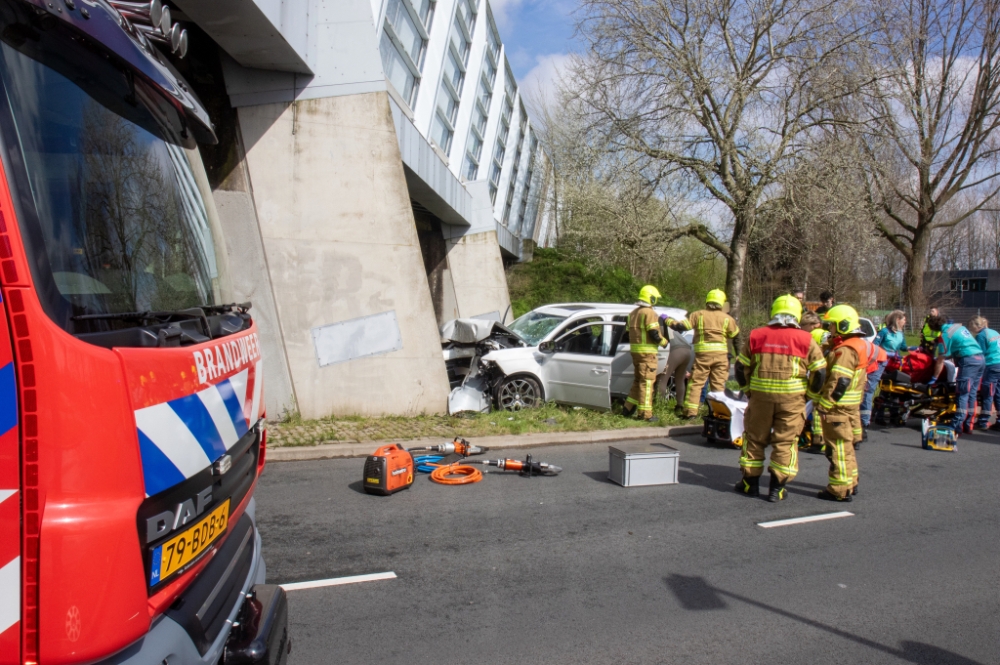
(465, 342)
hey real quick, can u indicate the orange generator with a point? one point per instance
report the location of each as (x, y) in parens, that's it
(388, 470)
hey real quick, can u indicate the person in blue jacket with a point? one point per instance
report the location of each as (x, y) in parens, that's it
(989, 389)
(891, 339)
(957, 343)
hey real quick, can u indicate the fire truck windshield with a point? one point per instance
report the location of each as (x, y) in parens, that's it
(110, 209)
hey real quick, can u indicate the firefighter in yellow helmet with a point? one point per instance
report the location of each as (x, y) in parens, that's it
(713, 329)
(838, 401)
(772, 369)
(644, 340)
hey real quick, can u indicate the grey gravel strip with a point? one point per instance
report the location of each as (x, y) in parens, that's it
(506, 441)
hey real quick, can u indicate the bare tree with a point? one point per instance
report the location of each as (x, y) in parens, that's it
(933, 114)
(724, 93)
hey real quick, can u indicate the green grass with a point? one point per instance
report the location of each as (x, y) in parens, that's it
(295, 431)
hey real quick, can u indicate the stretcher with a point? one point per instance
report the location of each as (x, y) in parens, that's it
(903, 395)
(724, 422)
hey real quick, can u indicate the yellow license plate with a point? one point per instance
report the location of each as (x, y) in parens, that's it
(176, 553)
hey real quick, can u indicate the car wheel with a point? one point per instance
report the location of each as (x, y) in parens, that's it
(518, 392)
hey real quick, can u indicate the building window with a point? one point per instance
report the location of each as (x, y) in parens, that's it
(477, 129)
(455, 61)
(509, 203)
(532, 151)
(404, 43)
(501, 147)
(966, 285)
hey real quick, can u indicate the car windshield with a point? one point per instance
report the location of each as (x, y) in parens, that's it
(534, 326)
(114, 218)
(867, 328)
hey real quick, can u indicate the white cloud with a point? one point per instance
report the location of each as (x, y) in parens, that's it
(501, 11)
(541, 84)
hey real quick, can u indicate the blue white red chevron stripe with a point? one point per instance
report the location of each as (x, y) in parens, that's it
(10, 515)
(183, 436)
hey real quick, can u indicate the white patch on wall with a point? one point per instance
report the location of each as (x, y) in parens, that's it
(357, 338)
(489, 316)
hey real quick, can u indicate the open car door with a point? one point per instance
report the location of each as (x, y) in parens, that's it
(579, 369)
(622, 370)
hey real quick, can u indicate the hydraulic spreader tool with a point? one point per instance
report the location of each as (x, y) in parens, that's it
(391, 468)
(525, 467)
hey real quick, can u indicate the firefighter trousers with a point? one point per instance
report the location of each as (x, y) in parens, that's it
(711, 367)
(776, 421)
(838, 435)
(640, 398)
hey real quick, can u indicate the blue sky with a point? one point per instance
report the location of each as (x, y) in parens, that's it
(538, 35)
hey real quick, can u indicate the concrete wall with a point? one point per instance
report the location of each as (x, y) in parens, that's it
(477, 271)
(474, 258)
(340, 242)
(251, 281)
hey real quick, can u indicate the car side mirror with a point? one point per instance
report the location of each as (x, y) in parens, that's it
(547, 347)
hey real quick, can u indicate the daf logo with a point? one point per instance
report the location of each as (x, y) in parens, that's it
(167, 521)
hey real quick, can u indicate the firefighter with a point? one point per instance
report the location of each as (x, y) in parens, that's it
(929, 337)
(713, 329)
(772, 369)
(644, 341)
(838, 401)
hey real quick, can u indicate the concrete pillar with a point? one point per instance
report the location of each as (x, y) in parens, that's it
(251, 281)
(475, 261)
(340, 243)
(478, 275)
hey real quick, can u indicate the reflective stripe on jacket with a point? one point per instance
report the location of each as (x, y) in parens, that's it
(847, 359)
(641, 320)
(777, 360)
(957, 342)
(874, 354)
(712, 330)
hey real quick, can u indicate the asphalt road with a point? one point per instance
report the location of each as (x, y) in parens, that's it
(574, 569)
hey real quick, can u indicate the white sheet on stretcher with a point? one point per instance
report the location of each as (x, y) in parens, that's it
(737, 408)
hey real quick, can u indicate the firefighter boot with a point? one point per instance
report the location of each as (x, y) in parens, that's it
(826, 496)
(749, 486)
(776, 491)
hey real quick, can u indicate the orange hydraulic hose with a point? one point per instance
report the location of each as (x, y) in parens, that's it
(456, 474)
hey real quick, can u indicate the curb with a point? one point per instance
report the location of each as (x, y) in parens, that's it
(506, 441)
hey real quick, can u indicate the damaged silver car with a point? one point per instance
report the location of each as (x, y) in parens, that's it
(572, 353)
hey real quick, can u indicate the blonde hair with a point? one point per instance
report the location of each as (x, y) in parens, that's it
(976, 324)
(893, 318)
(810, 318)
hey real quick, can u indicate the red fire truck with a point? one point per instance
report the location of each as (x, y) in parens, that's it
(131, 408)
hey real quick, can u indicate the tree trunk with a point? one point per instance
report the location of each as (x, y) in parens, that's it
(736, 262)
(913, 277)
(735, 266)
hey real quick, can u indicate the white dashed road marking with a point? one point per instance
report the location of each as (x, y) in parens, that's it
(337, 581)
(804, 520)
